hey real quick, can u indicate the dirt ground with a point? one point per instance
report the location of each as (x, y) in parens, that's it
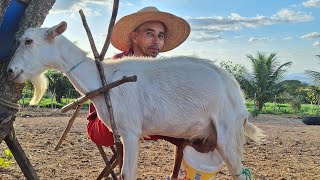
(292, 150)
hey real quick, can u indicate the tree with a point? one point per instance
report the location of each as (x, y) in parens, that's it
(237, 70)
(314, 74)
(59, 84)
(266, 79)
(10, 92)
(293, 90)
(312, 94)
(33, 17)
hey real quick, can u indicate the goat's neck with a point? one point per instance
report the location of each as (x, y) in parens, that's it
(84, 76)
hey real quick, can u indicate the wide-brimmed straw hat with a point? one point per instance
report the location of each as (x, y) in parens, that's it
(177, 29)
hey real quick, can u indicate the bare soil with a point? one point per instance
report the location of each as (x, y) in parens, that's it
(292, 150)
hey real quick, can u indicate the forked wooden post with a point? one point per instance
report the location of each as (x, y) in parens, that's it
(106, 87)
(98, 60)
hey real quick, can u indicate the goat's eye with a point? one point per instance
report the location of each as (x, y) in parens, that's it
(28, 41)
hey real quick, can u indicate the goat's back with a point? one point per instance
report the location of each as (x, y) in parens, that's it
(175, 92)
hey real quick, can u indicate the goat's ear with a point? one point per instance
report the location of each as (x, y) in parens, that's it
(56, 30)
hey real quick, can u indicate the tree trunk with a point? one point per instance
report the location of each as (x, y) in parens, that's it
(3, 6)
(10, 91)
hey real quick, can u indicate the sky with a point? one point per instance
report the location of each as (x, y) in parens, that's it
(225, 30)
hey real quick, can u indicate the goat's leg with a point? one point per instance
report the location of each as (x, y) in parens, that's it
(131, 151)
(231, 151)
(180, 145)
(177, 160)
(233, 162)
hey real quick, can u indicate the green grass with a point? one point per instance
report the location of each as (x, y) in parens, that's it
(46, 102)
(272, 108)
(269, 108)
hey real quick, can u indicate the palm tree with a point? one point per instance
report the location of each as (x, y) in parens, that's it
(314, 74)
(266, 78)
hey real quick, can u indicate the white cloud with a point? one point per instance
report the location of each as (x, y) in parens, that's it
(311, 35)
(317, 43)
(73, 6)
(238, 37)
(253, 39)
(287, 38)
(311, 3)
(287, 15)
(206, 38)
(235, 22)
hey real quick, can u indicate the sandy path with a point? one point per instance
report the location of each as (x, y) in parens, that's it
(292, 151)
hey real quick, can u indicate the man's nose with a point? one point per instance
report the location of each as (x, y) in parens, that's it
(156, 40)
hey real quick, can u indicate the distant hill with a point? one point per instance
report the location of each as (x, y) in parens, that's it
(301, 77)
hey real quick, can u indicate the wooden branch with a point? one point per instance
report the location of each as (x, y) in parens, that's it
(66, 131)
(86, 27)
(107, 94)
(97, 92)
(21, 158)
(108, 164)
(111, 24)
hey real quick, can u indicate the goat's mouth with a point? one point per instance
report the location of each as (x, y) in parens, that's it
(15, 76)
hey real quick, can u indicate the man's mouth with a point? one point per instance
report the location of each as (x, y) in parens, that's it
(154, 48)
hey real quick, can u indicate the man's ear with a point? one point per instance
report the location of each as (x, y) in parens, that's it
(133, 36)
(56, 30)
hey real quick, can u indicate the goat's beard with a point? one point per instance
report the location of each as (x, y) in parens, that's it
(40, 84)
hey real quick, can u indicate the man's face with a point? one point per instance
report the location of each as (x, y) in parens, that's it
(148, 39)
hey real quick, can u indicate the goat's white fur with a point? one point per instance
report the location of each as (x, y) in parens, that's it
(180, 97)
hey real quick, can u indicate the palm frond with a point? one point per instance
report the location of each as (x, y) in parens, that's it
(314, 74)
(279, 72)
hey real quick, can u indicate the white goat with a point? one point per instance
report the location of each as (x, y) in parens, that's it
(182, 97)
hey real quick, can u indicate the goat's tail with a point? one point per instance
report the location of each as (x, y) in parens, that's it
(253, 132)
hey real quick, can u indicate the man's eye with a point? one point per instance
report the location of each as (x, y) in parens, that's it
(149, 34)
(28, 41)
(161, 36)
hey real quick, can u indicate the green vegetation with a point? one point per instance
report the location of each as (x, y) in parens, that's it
(59, 87)
(314, 74)
(6, 160)
(286, 108)
(266, 78)
(269, 108)
(52, 103)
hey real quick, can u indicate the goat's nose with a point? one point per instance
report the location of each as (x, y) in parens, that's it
(9, 71)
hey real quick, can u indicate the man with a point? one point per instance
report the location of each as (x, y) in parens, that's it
(146, 33)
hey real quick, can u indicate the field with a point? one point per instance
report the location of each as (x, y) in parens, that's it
(292, 150)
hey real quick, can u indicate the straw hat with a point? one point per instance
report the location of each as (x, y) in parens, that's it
(177, 29)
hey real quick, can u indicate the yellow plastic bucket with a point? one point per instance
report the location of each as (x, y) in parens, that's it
(199, 166)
